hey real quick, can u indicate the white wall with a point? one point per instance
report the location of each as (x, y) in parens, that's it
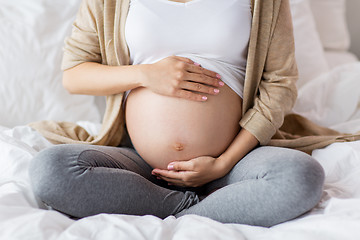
(353, 17)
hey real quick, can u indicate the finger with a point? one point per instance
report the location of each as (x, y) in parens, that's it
(169, 174)
(181, 166)
(198, 69)
(190, 95)
(188, 60)
(200, 77)
(181, 183)
(199, 87)
(174, 181)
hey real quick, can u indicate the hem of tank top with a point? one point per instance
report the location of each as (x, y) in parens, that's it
(238, 91)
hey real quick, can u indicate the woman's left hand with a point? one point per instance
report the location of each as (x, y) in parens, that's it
(192, 173)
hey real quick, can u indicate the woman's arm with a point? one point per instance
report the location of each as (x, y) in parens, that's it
(87, 70)
(243, 143)
(92, 78)
(172, 76)
(276, 93)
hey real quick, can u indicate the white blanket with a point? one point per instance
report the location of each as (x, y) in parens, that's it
(335, 103)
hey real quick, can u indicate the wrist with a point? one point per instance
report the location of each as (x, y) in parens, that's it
(242, 145)
(143, 73)
(223, 166)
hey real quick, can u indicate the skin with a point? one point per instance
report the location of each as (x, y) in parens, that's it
(176, 129)
(175, 77)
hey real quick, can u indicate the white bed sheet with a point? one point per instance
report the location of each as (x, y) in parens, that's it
(336, 217)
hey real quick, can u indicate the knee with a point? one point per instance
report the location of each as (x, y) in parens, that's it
(46, 171)
(306, 178)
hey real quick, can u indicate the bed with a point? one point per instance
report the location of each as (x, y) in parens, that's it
(30, 90)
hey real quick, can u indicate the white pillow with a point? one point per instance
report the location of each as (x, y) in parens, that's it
(331, 23)
(32, 37)
(308, 48)
(338, 58)
(332, 98)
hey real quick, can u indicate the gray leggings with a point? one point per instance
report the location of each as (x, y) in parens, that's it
(268, 186)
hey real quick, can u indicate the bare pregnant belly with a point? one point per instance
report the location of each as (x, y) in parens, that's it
(165, 129)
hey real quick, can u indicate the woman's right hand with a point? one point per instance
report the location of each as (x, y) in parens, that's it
(176, 76)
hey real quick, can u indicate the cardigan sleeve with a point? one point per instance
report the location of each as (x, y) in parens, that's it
(83, 44)
(277, 91)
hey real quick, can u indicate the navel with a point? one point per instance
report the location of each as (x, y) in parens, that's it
(178, 146)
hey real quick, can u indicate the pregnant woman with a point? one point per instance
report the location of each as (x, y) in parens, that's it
(196, 89)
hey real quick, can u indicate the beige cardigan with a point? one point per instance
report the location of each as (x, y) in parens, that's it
(269, 90)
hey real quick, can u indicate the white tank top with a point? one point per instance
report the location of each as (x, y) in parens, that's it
(214, 33)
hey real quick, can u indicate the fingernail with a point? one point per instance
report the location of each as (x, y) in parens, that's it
(171, 167)
(216, 90)
(197, 64)
(204, 98)
(221, 84)
(218, 76)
